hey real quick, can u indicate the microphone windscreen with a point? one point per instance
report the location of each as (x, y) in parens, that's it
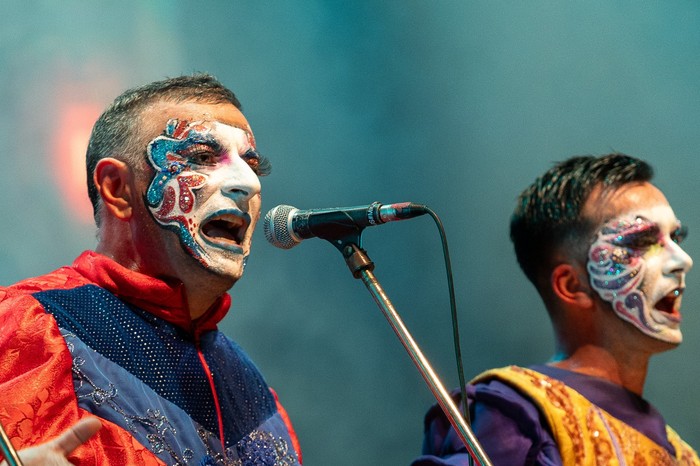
(277, 227)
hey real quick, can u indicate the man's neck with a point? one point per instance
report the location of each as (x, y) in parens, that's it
(202, 290)
(626, 370)
(202, 294)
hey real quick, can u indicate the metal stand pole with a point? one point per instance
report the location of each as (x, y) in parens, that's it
(8, 450)
(361, 268)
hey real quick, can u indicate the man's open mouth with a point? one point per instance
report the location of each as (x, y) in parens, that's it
(670, 304)
(225, 228)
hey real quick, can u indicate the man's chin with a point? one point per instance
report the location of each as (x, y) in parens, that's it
(226, 268)
(666, 339)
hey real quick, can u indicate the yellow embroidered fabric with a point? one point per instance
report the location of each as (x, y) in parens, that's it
(586, 434)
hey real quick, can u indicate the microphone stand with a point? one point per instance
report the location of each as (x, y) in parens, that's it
(8, 450)
(361, 267)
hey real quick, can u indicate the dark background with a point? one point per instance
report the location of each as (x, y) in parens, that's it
(454, 104)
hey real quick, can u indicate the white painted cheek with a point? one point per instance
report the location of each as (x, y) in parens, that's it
(648, 286)
(652, 287)
(656, 324)
(653, 262)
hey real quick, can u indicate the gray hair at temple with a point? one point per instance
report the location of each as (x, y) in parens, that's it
(115, 134)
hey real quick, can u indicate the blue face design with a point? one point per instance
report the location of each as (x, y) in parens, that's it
(198, 167)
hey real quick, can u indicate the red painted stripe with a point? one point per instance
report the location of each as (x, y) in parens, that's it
(219, 416)
(288, 423)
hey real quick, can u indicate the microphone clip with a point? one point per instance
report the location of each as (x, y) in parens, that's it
(356, 258)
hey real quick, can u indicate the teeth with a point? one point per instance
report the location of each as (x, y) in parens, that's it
(235, 221)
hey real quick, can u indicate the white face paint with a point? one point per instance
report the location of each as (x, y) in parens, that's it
(206, 190)
(637, 265)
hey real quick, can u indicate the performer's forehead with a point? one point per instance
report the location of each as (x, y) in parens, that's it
(605, 204)
(156, 117)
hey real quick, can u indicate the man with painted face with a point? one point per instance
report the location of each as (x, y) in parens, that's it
(127, 334)
(602, 246)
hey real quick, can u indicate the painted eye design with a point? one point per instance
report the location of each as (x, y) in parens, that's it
(642, 236)
(260, 164)
(200, 154)
(679, 234)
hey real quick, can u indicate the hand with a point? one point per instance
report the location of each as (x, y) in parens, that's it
(54, 452)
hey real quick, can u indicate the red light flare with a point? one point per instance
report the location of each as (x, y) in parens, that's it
(71, 137)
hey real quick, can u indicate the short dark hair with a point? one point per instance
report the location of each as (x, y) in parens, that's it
(548, 216)
(115, 133)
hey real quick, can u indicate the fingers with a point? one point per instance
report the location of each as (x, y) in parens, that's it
(54, 452)
(78, 434)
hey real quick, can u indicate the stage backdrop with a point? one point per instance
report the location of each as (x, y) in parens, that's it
(454, 104)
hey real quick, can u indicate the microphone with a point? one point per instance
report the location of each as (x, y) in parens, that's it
(286, 226)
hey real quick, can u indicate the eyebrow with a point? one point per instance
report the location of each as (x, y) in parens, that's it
(264, 166)
(204, 138)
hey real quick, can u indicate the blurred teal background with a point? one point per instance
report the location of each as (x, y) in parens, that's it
(454, 104)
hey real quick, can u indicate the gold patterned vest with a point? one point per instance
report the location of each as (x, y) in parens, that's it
(586, 434)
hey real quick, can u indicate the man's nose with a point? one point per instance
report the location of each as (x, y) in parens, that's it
(680, 261)
(240, 180)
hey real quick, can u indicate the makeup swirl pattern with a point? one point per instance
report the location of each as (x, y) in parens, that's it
(170, 195)
(616, 266)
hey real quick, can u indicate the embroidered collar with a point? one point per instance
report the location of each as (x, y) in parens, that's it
(164, 299)
(623, 404)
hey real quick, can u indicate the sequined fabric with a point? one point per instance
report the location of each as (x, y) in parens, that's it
(96, 338)
(165, 358)
(586, 434)
(37, 398)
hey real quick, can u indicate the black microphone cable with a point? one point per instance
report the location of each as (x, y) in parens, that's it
(280, 234)
(455, 320)
(453, 312)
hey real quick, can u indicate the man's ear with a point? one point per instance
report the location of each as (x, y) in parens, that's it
(113, 179)
(570, 285)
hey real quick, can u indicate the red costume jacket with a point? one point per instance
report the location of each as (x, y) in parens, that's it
(98, 339)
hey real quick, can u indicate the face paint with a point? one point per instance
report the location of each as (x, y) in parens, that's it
(202, 170)
(638, 267)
